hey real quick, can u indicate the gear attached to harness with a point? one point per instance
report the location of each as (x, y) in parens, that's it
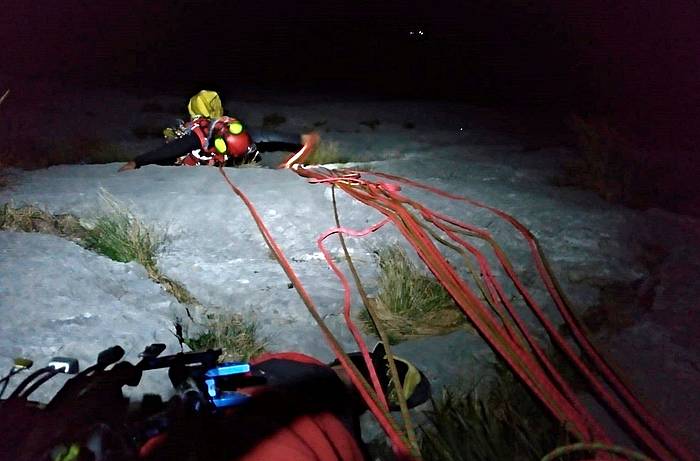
(223, 140)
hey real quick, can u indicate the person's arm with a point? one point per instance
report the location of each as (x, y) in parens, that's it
(271, 141)
(165, 154)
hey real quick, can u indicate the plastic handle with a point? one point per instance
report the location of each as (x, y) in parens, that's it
(154, 350)
(110, 356)
(66, 365)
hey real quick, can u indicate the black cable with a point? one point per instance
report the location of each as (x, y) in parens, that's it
(39, 382)
(12, 372)
(6, 380)
(28, 380)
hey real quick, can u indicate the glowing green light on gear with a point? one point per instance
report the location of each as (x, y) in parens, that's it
(235, 127)
(62, 453)
(220, 145)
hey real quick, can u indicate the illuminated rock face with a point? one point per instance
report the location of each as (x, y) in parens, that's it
(57, 298)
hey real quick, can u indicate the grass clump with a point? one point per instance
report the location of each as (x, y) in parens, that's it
(498, 419)
(235, 336)
(121, 236)
(118, 235)
(247, 162)
(30, 218)
(409, 302)
(503, 422)
(25, 219)
(326, 152)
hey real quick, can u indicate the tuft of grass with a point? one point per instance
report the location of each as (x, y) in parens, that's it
(118, 235)
(121, 236)
(409, 302)
(235, 336)
(248, 162)
(175, 288)
(24, 219)
(271, 121)
(326, 152)
(503, 422)
(33, 219)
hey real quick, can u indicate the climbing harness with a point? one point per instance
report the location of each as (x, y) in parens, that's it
(222, 140)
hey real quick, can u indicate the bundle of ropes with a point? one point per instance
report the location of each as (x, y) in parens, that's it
(493, 313)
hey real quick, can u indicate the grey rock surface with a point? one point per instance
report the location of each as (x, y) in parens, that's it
(58, 298)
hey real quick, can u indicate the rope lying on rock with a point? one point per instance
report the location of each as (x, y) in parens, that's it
(495, 317)
(376, 404)
(634, 415)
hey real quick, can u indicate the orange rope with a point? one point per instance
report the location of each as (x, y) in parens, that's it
(401, 449)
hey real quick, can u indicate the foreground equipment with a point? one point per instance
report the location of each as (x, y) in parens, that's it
(220, 411)
(91, 411)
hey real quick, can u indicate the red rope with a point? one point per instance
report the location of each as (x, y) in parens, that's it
(517, 347)
(495, 333)
(596, 430)
(346, 300)
(401, 450)
(618, 386)
(384, 198)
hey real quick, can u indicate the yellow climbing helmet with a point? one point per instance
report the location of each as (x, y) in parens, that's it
(205, 103)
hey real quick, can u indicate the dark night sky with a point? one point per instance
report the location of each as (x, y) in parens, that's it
(640, 58)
